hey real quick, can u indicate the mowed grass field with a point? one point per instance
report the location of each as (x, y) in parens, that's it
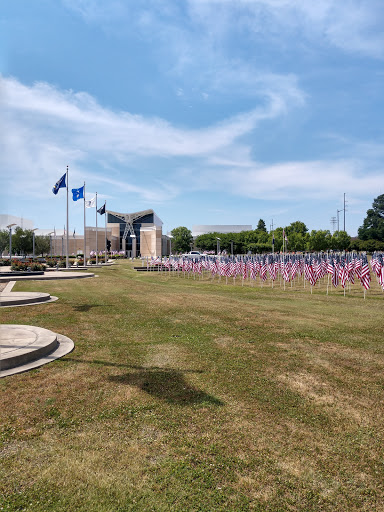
(192, 395)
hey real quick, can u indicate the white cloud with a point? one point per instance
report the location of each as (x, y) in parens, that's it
(46, 125)
(350, 25)
(81, 121)
(319, 180)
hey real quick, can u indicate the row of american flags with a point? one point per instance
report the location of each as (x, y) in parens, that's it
(339, 268)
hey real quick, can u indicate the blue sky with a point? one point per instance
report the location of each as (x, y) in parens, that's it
(207, 111)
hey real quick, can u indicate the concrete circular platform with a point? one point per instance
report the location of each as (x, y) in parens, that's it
(24, 298)
(25, 347)
(53, 274)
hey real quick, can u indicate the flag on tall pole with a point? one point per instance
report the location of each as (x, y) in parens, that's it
(67, 255)
(97, 249)
(85, 241)
(90, 203)
(101, 211)
(105, 223)
(77, 193)
(60, 184)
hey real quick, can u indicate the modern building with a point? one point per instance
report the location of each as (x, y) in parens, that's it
(219, 228)
(58, 241)
(138, 233)
(7, 220)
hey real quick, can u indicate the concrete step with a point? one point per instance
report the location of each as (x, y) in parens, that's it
(22, 344)
(23, 298)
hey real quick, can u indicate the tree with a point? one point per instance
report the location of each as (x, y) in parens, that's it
(297, 227)
(22, 241)
(4, 240)
(261, 226)
(341, 241)
(373, 225)
(42, 244)
(206, 242)
(320, 240)
(182, 239)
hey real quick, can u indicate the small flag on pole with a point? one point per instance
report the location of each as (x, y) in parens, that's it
(101, 210)
(78, 193)
(91, 203)
(59, 184)
(74, 233)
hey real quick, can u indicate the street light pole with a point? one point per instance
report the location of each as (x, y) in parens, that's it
(218, 244)
(33, 242)
(22, 245)
(231, 247)
(10, 240)
(50, 243)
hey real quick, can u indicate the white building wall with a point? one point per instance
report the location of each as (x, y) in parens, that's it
(6, 220)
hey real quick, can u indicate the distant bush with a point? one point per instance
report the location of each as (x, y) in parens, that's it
(23, 266)
(367, 245)
(56, 262)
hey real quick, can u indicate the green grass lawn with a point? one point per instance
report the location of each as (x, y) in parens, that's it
(193, 395)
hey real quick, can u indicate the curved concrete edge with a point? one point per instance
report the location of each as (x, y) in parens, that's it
(13, 304)
(65, 346)
(51, 275)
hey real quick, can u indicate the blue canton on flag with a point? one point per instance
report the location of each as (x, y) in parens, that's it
(78, 193)
(59, 184)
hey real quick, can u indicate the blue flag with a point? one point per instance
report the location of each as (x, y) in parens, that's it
(59, 184)
(78, 193)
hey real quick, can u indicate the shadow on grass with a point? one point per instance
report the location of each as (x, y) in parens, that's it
(124, 365)
(87, 307)
(168, 385)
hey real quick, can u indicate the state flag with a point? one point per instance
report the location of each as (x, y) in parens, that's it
(91, 203)
(78, 193)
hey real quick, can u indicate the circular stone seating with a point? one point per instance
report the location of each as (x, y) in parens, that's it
(24, 347)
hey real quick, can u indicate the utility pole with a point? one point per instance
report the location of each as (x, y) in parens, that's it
(344, 211)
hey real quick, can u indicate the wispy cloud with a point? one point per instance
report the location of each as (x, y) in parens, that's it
(43, 120)
(46, 126)
(350, 25)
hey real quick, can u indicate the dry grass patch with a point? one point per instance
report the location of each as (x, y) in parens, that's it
(189, 395)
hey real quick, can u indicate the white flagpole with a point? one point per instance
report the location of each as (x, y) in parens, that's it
(105, 213)
(96, 232)
(67, 255)
(85, 242)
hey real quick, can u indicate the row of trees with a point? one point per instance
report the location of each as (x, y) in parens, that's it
(22, 242)
(296, 237)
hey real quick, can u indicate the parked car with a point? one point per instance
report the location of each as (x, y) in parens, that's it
(193, 254)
